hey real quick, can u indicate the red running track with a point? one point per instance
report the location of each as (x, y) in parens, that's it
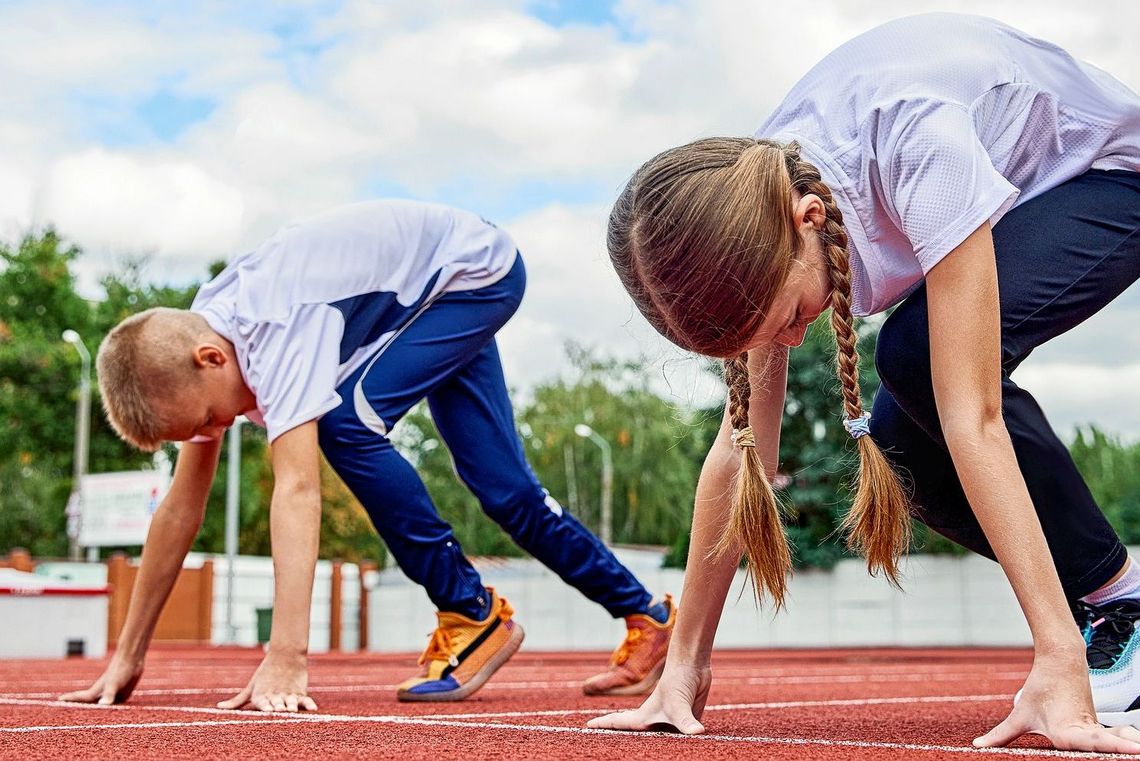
(825, 704)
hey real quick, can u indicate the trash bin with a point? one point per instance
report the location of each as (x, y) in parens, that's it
(264, 624)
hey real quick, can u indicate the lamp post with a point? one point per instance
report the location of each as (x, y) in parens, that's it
(233, 490)
(82, 438)
(587, 432)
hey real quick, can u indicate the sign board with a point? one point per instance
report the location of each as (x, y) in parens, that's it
(116, 508)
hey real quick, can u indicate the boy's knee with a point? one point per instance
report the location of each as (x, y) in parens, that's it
(517, 504)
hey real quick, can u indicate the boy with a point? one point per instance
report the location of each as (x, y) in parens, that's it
(327, 334)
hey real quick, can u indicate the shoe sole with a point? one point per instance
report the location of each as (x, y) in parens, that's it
(478, 680)
(637, 688)
(1119, 718)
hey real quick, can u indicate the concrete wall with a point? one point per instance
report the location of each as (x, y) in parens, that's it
(253, 589)
(946, 601)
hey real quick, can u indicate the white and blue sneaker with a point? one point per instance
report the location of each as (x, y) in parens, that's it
(1113, 653)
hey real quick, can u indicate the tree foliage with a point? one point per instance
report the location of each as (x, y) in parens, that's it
(658, 447)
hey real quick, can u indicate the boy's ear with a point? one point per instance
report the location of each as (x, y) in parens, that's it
(209, 355)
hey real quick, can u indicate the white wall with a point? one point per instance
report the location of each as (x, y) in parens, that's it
(253, 588)
(946, 601)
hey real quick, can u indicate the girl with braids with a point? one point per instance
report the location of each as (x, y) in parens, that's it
(989, 185)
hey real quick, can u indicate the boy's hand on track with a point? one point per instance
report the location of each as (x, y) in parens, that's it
(115, 685)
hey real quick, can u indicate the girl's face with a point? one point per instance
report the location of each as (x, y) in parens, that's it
(807, 292)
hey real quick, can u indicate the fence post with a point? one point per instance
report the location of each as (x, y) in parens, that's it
(335, 603)
(18, 559)
(206, 602)
(366, 567)
(118, 578)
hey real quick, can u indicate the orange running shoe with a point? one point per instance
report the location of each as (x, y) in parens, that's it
(636, 665)
(463, 654)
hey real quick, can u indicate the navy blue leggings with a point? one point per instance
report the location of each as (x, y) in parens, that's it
(448, 354)
(1061, 257)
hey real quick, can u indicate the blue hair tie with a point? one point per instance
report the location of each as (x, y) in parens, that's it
(858, 427)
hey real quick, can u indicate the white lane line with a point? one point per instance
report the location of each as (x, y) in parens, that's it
(455, 721)
(906, 671)
(147, 725)
(761, 740)
(759, 680)
(326, 717)
(781, 705)
(265, 715)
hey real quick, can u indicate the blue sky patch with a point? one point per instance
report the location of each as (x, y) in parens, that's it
(167, 114)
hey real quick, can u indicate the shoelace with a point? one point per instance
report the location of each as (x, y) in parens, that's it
(625, 649)
(1084, 614)
(440, 647)
(1111, 633)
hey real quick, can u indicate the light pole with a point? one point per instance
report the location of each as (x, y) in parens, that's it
(607, 526)
(82, 437)
(233, 489)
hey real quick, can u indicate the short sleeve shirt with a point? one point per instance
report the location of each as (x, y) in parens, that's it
(927, 127)
(308, 306)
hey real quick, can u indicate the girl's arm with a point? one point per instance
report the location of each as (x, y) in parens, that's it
(965, 354)
(679, 697)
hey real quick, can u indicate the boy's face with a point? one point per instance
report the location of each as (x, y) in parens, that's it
(207, 405)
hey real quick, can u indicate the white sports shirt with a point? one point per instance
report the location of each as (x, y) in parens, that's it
(927, 127)
(307, 307)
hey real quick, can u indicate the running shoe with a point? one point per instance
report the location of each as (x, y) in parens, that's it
(1114, 660)
(636, 665)
(463, 654)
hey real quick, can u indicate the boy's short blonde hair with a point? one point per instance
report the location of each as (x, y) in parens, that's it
(145, 358)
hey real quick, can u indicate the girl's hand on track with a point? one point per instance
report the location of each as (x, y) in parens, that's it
(281, 683)
(115, 685)
(676, 703)
(1057, 702)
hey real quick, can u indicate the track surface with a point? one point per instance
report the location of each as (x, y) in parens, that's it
(831, 704)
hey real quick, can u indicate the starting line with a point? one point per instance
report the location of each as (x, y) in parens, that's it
(473, 720)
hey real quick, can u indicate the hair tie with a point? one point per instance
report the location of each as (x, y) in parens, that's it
(743, 437)
(858, 427)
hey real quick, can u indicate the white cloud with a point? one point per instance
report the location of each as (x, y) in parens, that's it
(573, 295)
(429, 95)
(121, 201)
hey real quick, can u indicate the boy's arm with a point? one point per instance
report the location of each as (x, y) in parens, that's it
(172, 531)
(281, 681)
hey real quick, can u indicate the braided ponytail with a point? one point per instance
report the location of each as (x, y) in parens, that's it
(754, 524)
(878, 524)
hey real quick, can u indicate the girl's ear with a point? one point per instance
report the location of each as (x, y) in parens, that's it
(809, 213)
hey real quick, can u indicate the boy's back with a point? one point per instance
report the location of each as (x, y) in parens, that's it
(306, 307)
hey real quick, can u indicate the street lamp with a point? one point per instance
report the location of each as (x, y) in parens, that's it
(587, 432)
(233, 491)
(82, 437)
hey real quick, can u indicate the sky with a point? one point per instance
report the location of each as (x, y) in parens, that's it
(188, 132)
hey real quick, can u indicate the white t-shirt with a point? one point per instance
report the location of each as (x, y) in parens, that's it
(307, 307)
(927, 127)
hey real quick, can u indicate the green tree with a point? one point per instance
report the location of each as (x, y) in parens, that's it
(1112, 470)
(38, 378)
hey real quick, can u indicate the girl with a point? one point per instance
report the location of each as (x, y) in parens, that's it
(988, 183)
